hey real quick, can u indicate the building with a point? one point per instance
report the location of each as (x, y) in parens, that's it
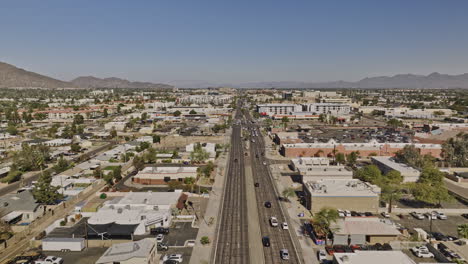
(117, 125)
(372, 257)
(134, 214)
(208, 147)
(286, 138)
(136, 252)
(371, 148)
(20, 207)
(329, 108)
(364, 230)
(278, 109)
(353, 195)
(314, 169)
(387, 164)
(162, 175)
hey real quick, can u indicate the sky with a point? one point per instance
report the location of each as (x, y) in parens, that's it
(235, 41)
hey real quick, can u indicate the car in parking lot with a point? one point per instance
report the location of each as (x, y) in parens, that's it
(341, 213)
(273, 221)
(417, 215)
(174, 257)
(439, 236)
(284, 226)
(284, 253)
(162, 246)
(422, 252)
(321, 255)
(159, 230)
(431, 215)
(159, 238)
(441, 216)
(266, 241)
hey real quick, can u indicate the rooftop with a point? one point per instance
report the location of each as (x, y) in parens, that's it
(391, 163)
(125, 251)
(342, 188)
(365, 226)
(371, 257)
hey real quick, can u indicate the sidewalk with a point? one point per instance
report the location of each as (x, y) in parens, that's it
(202, 254)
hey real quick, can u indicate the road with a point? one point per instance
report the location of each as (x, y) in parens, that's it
(232, 245)
(266, 191)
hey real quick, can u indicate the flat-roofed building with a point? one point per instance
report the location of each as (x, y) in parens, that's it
(372, 257)
(329, 108)
(387, 164)
(162, 175)
(278, 109)
(346, 194)
(314, 169)
(136, 252)
(364, 230)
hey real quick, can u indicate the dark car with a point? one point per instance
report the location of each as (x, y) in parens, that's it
(257, 184)
(159, 230)
(378, 246)
(267, 204)
(439, 236)
(368, 214)
(465, 215)
(354, 213)
(387, 247)
(266, 241)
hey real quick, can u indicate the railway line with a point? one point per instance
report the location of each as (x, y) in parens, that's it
(232, 245)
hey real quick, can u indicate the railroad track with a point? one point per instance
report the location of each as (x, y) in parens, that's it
(232, 245)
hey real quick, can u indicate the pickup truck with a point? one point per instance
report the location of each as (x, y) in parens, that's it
(50, 260)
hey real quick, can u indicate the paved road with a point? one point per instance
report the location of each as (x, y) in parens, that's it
(279, 238)
(232, 244)
(457, 189)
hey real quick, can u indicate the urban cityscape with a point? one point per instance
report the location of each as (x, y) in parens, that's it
(253, 161)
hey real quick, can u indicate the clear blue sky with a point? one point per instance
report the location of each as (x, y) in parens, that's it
(235, 41)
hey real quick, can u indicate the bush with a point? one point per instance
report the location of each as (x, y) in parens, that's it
(205, 240)
(103, 196)
(63, 223)
(12, 176)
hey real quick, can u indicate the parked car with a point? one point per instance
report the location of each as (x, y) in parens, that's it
(264, 163)
(50, 260)
(175, 257)
(439, 236)
(341, 213)
(385, 214)
(273, 221)
(159, 238)
(284, 253)
(441, 216)
(347, 213)
(422, 252)
(162, 247)
(431, 215)
(417, 215)
(267, 204)
(159, 230)
(257, 184)
(368, 214)
(284, 226)
(465, 216)
(321, 255)
(266, 241)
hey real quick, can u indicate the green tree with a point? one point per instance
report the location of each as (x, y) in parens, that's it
(395, 123)
(340, 158)
(199, 154)
(204, 240)
(390, 193)
(207, 169)
(113, 133)
(61, 165)
(12, 176)
(193, 112)
(150, 155)
(189, 180)
(285, 121)
(117, 173)
(177, 113)
(138, 163)
(288, 193)
(324, 219)
(75, 147)
(394, 176)
(369, 173)
(463, 230)
(105, 113)
(352, 158)
(144, 116)
(11, 129)
(409, 155)
(109, 178)
(455, 150)
(156, 139)
(44, 192)
(78, 119)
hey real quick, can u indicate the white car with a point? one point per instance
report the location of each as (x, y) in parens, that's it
(273, 221)
(441, 216)
(341, 213)
(423, 254)
(432, 215)
(50, 260)
(284, 226)
(159, 238)
(420, 248)
(418, 216)
(385, 214)
(347, 213)
(284, 254)
(264, 163)
(175, 257)
(322, 255)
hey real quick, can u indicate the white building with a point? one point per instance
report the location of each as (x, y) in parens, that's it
(329, 108)
(145, 210)
(278, 109)
(387, 164)
(136, 252)
(316, 168)
(162, 175)
(117, 125)
(372, 257)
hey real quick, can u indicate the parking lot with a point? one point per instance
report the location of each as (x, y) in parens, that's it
(419, 260)
(88, 255)
(446, 227)
(180, 232)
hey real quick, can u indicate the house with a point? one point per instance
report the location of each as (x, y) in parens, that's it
(117, 125)
(162, 175)
(346, 194)
(20, 207)
(387, 164)
(372, 257)
(136, 252)
(135, 213)
(363, 230)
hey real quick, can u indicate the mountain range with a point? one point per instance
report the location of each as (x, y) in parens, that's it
(11, 76)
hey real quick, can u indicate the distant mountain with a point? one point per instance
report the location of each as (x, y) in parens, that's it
(93, 82)
(433, 80)
(12, 77)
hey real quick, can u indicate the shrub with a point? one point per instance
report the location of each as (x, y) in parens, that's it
(63, 223)
(103, 196)
(205, 240)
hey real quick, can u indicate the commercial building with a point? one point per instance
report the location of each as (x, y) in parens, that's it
(286, 138)
(371, 148)
(136, 252)
(387, 164)
(278, 109)
(329, 108)
(314, 169)
(162, 175)
(364, 230)
(372, 257)
(354, 195)
(134, 214)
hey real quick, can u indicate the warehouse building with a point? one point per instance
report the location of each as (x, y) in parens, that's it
(364, 230)
(387, 164)
(163, 175)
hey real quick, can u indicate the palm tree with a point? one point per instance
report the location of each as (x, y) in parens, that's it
(463, 230)
(288, 193)
(324, 219)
